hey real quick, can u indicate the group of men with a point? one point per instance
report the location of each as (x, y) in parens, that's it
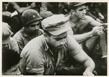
(55, 45)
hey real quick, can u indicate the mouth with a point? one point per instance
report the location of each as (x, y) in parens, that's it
(82, 16)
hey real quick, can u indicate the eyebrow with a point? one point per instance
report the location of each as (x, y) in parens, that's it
(35, 24)
(62, 36)
(58, 39)
(82, 9)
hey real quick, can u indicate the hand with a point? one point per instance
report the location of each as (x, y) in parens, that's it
(97, 30)
(88, 73)
(98, 20)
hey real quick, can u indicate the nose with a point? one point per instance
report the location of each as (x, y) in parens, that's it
(62, 42)
(84, 11)
(36, 27)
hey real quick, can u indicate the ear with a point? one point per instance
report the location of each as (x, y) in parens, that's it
(72, 12)
(46, 35)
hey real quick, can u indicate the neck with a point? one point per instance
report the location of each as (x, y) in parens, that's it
(29, 32)
(48, 42)
(74, 18)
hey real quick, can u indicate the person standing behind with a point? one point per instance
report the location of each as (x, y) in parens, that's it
(10, 52)
(31, 28)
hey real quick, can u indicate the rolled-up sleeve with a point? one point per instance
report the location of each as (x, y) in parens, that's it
(34, 61)
(39, 70)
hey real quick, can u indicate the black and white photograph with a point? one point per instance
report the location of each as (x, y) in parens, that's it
(54, 38)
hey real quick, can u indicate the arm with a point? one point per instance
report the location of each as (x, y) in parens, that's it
(32, 62)
(19, 39)
(82, 37)
(95, 31)
(15, 5)
(93, 22)
(21, 9)
(14, 45)
(78, 54)
(87, 61)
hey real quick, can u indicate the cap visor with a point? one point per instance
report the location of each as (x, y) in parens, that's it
(60, 30)
(83, 3)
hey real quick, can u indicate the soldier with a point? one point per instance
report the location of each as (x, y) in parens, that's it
(31, 28)
(44, 54)
(10, 49)
(88, 31)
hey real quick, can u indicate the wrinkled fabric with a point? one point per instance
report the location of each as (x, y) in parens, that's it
(23, 38)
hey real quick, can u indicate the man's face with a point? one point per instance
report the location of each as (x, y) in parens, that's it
(80, 12)
(57, 41)
(33, 27)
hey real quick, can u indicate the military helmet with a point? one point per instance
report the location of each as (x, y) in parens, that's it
(29, 16)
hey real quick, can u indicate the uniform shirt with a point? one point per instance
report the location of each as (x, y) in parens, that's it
(38, 57)
(23, 38)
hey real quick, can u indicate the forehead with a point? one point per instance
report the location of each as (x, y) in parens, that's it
(81, 7)
(35, 23)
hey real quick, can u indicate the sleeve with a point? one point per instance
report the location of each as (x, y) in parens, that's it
(14, 45)
(17, 37)
(39, 70)
(36, 63)
(33, 59)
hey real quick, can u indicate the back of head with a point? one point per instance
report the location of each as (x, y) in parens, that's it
(29, 16)
(6, 31)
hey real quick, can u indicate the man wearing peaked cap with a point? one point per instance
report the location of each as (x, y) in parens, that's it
(31, 27)
(56, 24)
(46, 53)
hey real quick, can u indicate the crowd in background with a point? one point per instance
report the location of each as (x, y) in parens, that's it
(11, 17)
(97, 10)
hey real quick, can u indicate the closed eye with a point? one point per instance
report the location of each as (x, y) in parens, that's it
(82, 9)
(60, 37)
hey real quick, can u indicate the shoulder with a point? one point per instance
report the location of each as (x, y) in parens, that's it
(92, 21)
(35, 45)
(88, 17)
(18, 35)
(14, 45)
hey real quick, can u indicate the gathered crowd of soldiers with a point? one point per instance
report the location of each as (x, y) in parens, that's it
(54, 38)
